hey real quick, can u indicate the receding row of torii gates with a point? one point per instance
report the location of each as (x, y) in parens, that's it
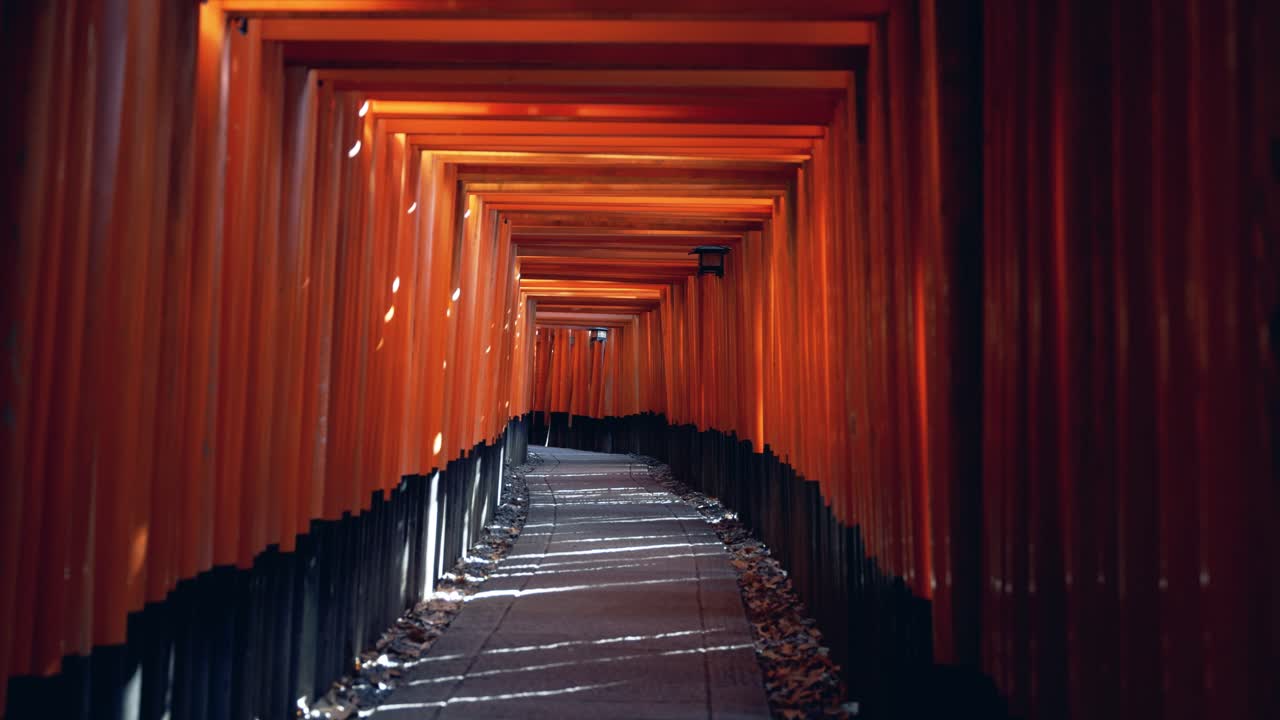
(968, 310)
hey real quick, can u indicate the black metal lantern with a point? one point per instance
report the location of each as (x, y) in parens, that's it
(710, 259)
(598, 334)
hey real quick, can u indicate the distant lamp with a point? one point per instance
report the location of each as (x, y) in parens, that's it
(598, 334)
(710, 259)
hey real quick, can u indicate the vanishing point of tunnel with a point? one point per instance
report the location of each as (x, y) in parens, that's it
(817, 358)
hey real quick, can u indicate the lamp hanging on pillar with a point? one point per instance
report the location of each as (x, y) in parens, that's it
(710, 259)
(598, 334)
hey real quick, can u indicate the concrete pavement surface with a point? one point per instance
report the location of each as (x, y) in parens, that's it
(617, 601)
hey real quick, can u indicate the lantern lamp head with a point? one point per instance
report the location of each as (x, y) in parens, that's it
(598, 334)
(710, 259)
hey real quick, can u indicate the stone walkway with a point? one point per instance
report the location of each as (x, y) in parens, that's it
(617, 601)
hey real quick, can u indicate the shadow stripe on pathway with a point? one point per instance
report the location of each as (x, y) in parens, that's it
(591, 616)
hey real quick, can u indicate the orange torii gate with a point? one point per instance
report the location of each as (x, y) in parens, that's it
(991, 365)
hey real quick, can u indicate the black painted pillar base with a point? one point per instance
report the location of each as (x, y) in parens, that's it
(249, 642)
(878, 631)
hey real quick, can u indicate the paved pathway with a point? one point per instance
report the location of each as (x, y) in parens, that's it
(617, 601)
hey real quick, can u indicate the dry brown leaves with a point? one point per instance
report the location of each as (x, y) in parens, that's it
(800, 679)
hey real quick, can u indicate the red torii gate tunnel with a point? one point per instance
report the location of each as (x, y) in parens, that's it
(991, 367)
